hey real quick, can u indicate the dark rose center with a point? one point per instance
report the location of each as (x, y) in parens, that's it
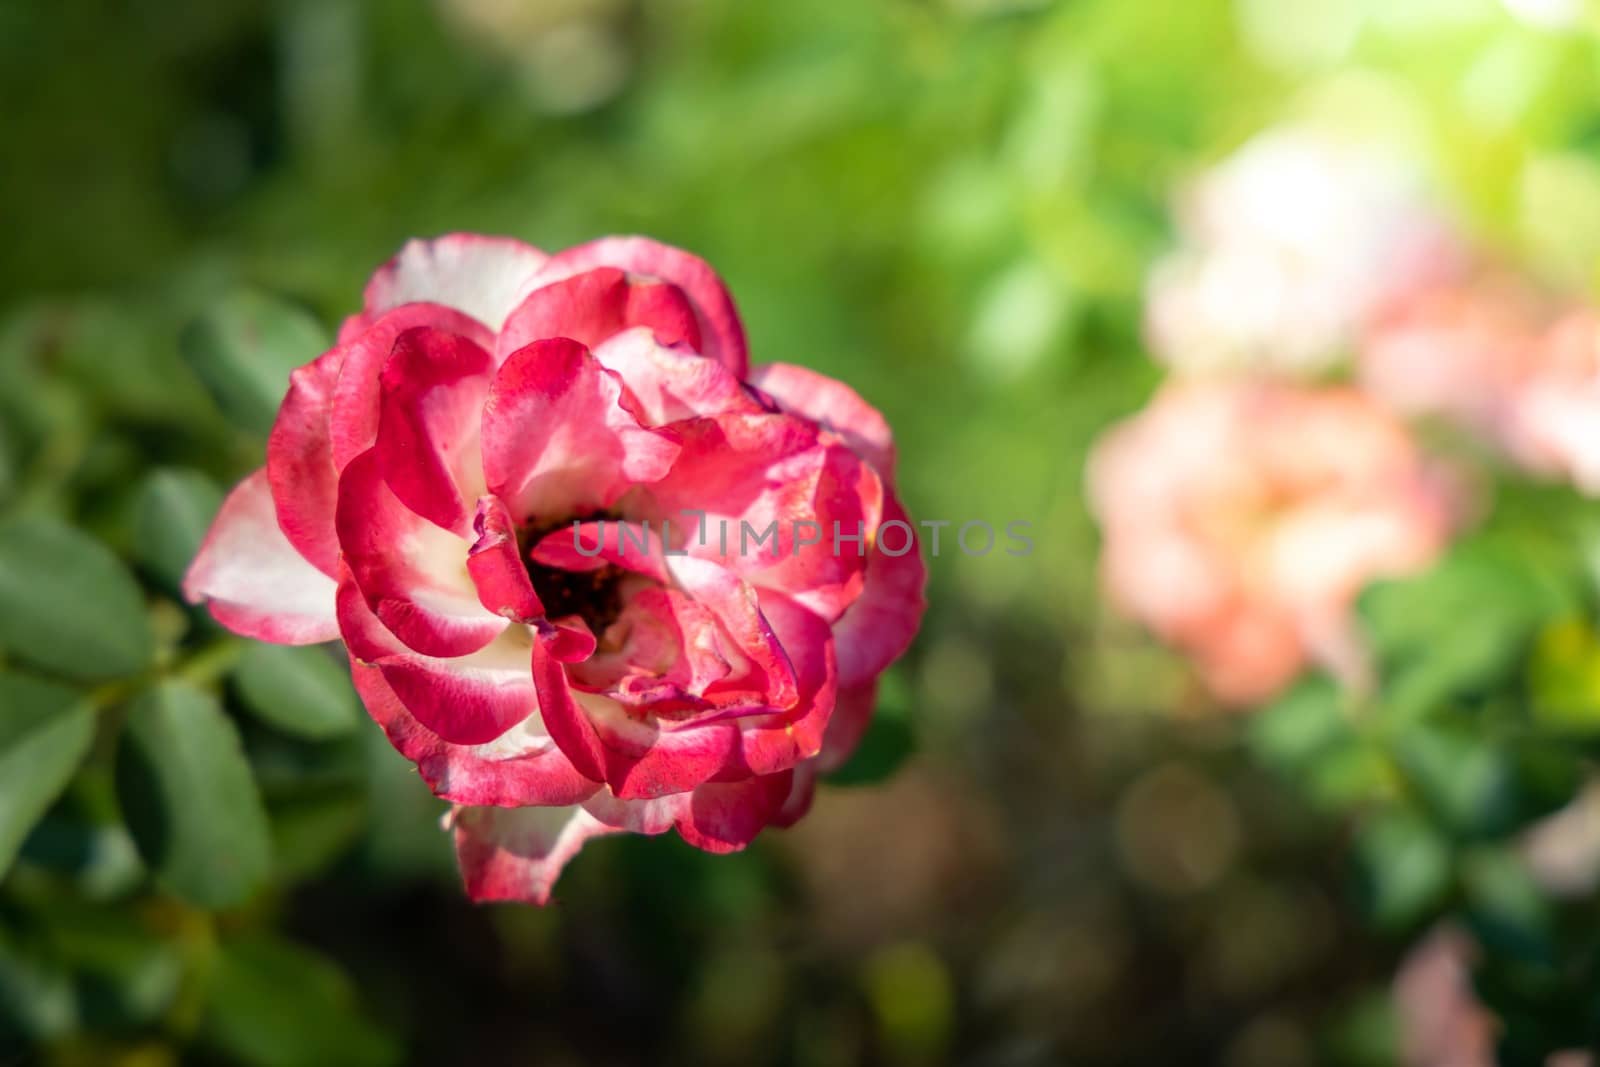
(594, 596)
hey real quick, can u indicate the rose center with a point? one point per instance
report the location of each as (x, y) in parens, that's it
(594, 596)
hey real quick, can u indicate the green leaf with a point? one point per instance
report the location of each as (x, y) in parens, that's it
(37, 999)
(173, 511)
(1476, 782)
(1460, 629)
(1403, 869)
(301, 691)
(189, 798)
(82, 839)
(1507, 910)
(1300, 725)
(127, 967)
(1547, 772)
(889, 740)
(243, 349)
(1564, 677)
(275, 1004)
(67, 604)
(1463, 778)
(309, 833)
(1364, 1033)
(45, 732)
(1308, 736)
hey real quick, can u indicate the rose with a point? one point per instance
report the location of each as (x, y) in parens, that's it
(1459, 349)
(1549, 425)
(1516, 364)
(1438, 1016)
(1241, 520)
(1288, 248)
(486, 490)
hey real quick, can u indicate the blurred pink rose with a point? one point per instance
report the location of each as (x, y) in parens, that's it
(1287, 248)
(1514, 363)
(473, 490)
(1456, 350)
(1552, 419)
(1442, 1023)
(1240, 520)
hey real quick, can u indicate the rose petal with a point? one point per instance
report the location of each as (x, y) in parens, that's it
(556, 438)
(782, 497)
(597, 304)
(480, 276)
(466, 700)
(879, 626)
(305, 483)
(434, 384)
(662, 654)
(353, 418)
(726, 816)
(773, 743)
(717, 817)
(412, 573)
(649, 756)
(495, 563)
(802, 791)
(518, 853)
(833, 404)
(767, 669)
(852, 715)
(721, 332)
(587, 546)
(521, 767)
(671, 382)
(255, 581)
(766, 717)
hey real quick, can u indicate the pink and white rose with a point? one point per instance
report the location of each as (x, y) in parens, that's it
(485, 489)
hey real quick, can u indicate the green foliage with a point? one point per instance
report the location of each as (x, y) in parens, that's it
(173, 510)
(1404, 870)
(243, 348)
(1317, 736)
(190, 799)
(1461, 628)
(274, 1004)
(1564, 678)
(45, 731)
(67, 604)
(301, 691)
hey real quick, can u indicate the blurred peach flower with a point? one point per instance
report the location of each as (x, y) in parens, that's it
(1456, 349)
(1514, 363)
(1442, 1023)
(1240, 521)
(1287, 248)
(1552, 422)
(1562, 850)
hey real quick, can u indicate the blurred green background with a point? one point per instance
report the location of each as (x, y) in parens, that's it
(949, 204)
